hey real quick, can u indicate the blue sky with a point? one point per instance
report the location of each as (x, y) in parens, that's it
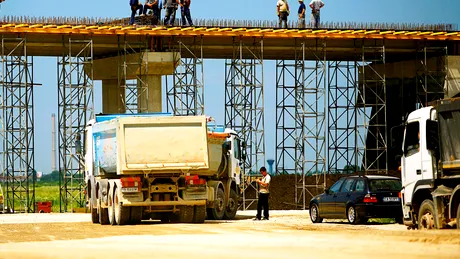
(390, 11)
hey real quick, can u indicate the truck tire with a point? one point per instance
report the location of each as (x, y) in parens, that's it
(200, 214)
(121, 213)
(458, 216)
(94, 214)
(186, 214)
(103, 212)
(111, 207)
(136, 215)
(232, 205)
(217, 213)
(426, 215)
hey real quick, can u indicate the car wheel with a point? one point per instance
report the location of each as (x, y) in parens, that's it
(314, 214)
(352, 215)
(426, 215)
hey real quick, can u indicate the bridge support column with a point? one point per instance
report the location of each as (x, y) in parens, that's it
(131, 83)
(112, 97)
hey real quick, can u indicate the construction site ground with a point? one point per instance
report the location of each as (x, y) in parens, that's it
(288, 234)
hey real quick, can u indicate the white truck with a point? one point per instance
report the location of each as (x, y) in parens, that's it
(430, 166)
(158, 166)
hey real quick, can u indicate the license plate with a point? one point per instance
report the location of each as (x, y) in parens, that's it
(389, 199)
(129, 189)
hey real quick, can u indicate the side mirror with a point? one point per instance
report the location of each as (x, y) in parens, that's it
(326, 190)
(432, 139)
(397, 136)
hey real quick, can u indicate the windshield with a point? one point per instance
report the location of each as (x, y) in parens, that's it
(385, 185)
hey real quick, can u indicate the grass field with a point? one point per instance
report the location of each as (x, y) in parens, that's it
(48, 192)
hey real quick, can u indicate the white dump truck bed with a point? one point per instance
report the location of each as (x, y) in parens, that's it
(134, 144)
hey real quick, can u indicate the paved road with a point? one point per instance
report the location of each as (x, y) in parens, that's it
(288, 234)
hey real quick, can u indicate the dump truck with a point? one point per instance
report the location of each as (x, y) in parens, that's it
(158, 166)
(430, 166)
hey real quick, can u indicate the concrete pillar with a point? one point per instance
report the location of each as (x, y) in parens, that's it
(149, 67)
(112, 97)
(150, 99)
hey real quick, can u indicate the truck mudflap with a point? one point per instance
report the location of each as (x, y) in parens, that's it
(165, 203)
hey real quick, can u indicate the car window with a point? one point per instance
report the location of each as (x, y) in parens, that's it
(336, 186)
(346, 187)
(385, 185)
(359, 187)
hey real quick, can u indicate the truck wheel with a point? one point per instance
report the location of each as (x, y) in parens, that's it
(218, 211)
(111, 209)
(314, 214)
(232, 205)
(103, 212)
(200, 214)
(352, 215)
(458, 216)
(121, 213)
(186, 214)
(426, 215)
(136, 215)
(94, 214)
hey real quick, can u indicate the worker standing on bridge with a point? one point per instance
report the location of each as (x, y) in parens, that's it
(282, 8)
(185, 12)
(301, 12)
(315, 6)
(264, 193)
(135, 5)
(152, 4)
(171, 7)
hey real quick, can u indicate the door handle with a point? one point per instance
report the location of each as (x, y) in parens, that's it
(419, 171)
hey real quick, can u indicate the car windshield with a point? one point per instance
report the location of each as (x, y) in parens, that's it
(385, 185)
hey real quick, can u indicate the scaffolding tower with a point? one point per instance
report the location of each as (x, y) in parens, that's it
(75, 108)
(133, 60)
(18, 126)
(371, 118)
(185, 96)
(342, 92)
(431, 75)
(313, 117)
(244, 108)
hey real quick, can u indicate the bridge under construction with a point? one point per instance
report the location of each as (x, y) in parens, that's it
(339, 90)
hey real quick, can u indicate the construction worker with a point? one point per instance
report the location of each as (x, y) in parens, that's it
(152, 4)
(264, 193)
(315, 6)
(282, 8)
(135, 5)
(301, 13)
(185, 12)
(171, 7)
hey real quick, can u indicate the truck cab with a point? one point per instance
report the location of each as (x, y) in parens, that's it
(430, 166)
(418, 163)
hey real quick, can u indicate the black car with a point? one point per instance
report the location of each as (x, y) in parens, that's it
(358, 198)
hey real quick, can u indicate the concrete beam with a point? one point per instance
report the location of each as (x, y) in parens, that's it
(151, 63)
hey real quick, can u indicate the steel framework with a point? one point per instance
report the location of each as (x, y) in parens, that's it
(431, 75)
(18, 126)
(186, 94)
(313, 115)
(300, 118)
(342, 91)
(244, 107)
(371, 126)
(133, 91)
(75, 108)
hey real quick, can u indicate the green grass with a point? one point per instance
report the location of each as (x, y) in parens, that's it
(48, 192)
(382, 221)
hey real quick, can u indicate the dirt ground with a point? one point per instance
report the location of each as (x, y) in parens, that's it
(288, 234)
